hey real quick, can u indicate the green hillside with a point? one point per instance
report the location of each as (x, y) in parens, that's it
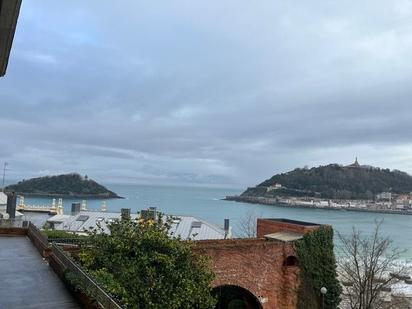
(335, 182)
(72, 185)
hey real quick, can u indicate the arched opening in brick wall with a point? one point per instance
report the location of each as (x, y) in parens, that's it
(235, 297)
(290, 261)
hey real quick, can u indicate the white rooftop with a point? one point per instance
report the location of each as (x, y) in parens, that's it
(284, 236)
(3, 198)
(184, 226)
(3, 206)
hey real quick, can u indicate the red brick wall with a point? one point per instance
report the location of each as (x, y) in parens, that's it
(256, 265)
(267, 226)
(12, 231)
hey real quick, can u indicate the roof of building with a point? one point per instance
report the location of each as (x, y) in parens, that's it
(184, 226)
(289, 221)
(284, 236)
(9, 13)
(3, 205)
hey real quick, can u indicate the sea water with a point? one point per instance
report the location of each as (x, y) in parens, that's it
(207, 204)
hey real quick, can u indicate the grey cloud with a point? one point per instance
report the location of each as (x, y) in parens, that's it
(206, 92)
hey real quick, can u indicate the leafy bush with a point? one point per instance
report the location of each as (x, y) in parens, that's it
(143, 267)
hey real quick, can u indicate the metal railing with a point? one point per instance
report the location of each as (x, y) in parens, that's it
(68, 241)
(88, 285)
(86, 282)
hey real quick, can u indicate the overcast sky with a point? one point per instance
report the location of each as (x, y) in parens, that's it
(206, 92)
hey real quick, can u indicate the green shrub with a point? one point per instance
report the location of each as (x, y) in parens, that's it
(143, 267)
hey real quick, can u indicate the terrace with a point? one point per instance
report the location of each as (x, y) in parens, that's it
(33, 272)
(27, 281)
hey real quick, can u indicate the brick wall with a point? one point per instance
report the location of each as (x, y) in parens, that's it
(39, 240)
(255, 265)
(13, 231)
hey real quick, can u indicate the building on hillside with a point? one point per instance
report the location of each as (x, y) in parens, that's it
(276, 186)
(355, 164)
(399, 206)
(185, 227)
(9, 13)
(384, 196)
(403, 198)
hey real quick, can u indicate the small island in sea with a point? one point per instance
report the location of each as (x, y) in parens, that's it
(334, 186)
(67, 185)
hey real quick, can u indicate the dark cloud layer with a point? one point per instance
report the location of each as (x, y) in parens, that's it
(208, 92)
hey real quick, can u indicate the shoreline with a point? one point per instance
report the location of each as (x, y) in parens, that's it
(266, 201)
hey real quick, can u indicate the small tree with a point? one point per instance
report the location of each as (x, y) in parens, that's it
(369, 267)
(247, 225)
(140, 264)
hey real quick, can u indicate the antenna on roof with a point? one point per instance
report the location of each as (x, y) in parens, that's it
(4, 175)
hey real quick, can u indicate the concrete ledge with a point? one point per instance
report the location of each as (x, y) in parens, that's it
(232, 243)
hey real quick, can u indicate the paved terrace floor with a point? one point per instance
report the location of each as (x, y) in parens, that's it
(26, 280)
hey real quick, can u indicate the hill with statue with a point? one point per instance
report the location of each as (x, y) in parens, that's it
(67, 185)
(334, 181)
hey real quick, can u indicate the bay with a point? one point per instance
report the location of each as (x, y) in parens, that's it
(207, 204)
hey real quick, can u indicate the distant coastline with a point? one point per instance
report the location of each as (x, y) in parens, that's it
(70, 185)
(84, 196)
(276, 202)
(353, 187)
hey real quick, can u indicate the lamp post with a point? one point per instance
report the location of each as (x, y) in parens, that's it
(323, 292)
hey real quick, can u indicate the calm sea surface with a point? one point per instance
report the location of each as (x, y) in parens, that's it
(206, 203)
